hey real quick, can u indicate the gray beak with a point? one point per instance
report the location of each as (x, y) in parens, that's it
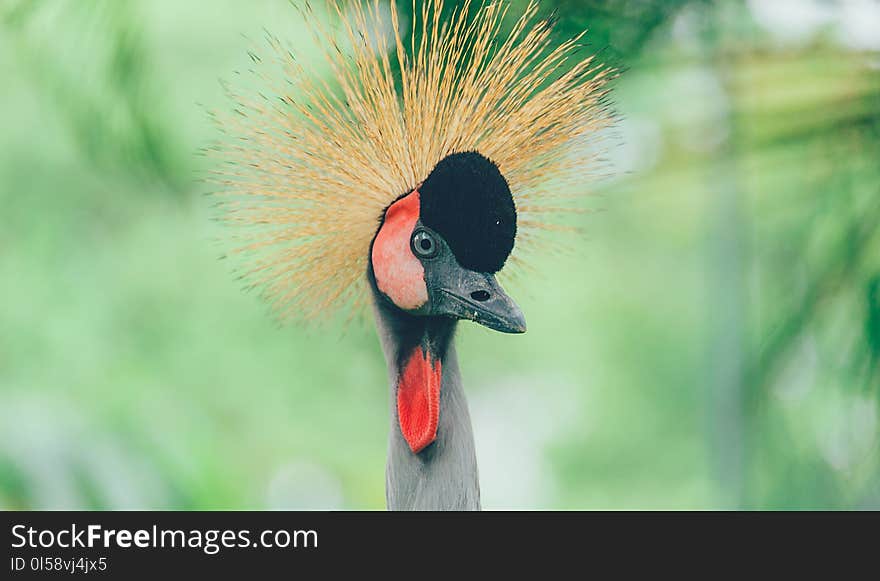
(477, 297)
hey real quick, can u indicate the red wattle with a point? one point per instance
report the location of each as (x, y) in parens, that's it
(418, 399)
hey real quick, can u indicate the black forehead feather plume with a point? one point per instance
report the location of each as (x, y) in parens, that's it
(466, 200)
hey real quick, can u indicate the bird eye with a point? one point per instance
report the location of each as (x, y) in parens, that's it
(423, 244)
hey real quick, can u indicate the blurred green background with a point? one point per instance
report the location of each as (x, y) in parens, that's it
(713, 343)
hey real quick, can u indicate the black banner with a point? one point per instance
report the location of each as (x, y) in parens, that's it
(124, 544)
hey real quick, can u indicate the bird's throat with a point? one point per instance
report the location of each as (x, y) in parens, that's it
(418, 398)
(432, 464)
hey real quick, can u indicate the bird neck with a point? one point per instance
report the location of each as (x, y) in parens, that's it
(443, 474)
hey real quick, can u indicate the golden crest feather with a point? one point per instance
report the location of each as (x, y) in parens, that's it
(309, 168)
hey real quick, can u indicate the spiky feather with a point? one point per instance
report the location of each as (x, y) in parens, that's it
(310, 167)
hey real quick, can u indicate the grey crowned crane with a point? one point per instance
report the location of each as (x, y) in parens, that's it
(406, 185)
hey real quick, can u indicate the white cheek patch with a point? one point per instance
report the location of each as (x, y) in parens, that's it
(399, 274)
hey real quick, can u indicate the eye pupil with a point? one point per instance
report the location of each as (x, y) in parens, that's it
(426, 244)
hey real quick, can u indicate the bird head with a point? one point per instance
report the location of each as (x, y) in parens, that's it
(440, 245)
(457, 132)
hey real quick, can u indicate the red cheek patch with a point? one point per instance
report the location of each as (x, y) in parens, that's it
(399, 274)
(418, 399)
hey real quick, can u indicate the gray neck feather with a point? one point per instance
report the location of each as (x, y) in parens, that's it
(443, 476)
